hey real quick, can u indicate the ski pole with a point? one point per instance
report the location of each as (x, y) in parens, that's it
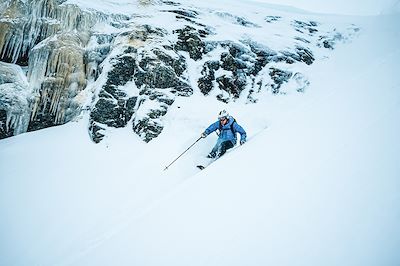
(182, 153)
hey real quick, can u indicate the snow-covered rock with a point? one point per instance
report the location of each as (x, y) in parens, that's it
(127, 67)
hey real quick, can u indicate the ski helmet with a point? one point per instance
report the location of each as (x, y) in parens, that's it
(223, 114)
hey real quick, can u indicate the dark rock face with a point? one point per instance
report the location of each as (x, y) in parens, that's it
(229, 85)
(189, 41)
(161, 71)
(171, 3)
(150, 126)
(238, 60)
(279, 77)
(184, 13)
(113, 115)
(263, 55)
(244, 62)
(330, 40)
(301, 54)
(154, 104)
(147, 129)
(5, 132)
(205, 83)
(157, 74)
(309, 27)
(114, 107)
(271, 19)
(42, 120)
(160, 78)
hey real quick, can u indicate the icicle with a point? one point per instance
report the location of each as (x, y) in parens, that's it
(59, 77)
(33, 21)
(56, 68)
(9, 121)
(14, 97)
(37, 67)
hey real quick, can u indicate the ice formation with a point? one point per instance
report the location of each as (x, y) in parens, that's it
(60, 78)
(23, 24)
(14, 99)
(51, 39)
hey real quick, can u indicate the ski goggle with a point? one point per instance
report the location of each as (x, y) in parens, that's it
(223, 118)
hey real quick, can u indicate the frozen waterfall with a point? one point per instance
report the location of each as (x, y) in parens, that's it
(15, 96)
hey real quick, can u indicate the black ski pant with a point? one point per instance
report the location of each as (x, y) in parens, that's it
(220, 149)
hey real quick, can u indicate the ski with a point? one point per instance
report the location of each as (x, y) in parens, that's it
(210, 161)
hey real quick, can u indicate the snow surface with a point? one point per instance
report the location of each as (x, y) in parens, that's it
(392, 8)
(339, 7)
(344, 7)
(316, 184)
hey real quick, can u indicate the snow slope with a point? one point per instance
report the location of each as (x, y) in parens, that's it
(353, 7)
(318, 186)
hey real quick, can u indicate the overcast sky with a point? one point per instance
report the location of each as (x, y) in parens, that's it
(346, 7)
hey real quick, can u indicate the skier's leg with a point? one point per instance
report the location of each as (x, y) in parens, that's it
(226, 145)
(214, 151)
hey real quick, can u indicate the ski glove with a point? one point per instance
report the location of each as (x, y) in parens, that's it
(242, 142)
(203, 135)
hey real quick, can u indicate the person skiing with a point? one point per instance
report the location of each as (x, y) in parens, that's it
(228, 129)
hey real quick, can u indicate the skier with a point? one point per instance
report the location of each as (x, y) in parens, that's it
(228, 128)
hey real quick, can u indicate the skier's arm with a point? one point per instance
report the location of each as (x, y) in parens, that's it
(241, 131)
(212, 128)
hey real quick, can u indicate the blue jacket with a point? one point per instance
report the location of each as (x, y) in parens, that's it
(226, 132)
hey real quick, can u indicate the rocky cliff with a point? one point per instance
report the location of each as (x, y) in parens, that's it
(60, 59)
